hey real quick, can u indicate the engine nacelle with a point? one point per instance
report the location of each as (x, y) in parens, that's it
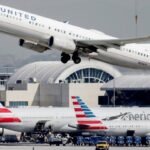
(65, 45)
(62, 129)
(33, 46)
(47, 125)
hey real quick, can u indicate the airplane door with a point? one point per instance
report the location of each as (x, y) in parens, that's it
(130, 132)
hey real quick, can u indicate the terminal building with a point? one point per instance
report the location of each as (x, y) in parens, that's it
(97, 83)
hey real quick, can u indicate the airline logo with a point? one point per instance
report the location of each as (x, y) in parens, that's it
(85, 117)
(6, 116)
(17, 13)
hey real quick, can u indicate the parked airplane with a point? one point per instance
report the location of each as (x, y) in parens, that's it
(80, 119)
(40, 34)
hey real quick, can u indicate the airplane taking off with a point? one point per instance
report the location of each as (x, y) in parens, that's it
(79, 119)
(40, 34)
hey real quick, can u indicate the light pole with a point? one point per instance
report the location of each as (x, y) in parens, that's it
(136, 17)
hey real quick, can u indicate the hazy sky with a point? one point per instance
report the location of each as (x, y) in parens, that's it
(114, 17)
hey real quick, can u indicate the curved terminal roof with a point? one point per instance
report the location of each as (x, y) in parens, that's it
(129, 82)
(54, 71)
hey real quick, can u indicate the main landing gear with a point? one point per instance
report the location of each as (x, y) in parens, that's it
(66, 57)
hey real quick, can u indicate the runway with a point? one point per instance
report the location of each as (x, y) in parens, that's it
(47, 147)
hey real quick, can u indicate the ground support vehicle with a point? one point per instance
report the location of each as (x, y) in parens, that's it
(102, 145)
(121, 140)
(137, 140)
(55, 140)
(129, 141)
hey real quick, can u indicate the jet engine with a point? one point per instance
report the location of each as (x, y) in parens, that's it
(33, 46)
(48, 125)
(66, 45)
(63, 129)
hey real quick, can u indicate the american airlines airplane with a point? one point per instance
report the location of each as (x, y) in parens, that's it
(40, 34)
(79, 119)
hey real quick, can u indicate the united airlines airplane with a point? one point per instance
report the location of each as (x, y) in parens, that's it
(40, 34)
(79, 119)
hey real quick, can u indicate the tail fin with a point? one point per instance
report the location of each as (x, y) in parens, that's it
(6, 116)
(85, 117)
(3, 109)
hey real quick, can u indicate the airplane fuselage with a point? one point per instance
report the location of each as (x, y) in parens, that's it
(36, 31)
(118, 123)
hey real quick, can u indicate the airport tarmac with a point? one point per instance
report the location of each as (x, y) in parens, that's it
(47, 147)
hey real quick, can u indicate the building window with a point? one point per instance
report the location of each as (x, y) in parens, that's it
(89, 75)
(18, 103)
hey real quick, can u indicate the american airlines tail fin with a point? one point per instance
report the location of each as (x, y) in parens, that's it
(6, 116)
(86, 119)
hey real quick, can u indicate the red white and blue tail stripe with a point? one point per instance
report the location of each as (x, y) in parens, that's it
(6, 116)
(86, 119)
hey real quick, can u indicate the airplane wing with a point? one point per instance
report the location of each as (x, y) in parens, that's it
(108, 43)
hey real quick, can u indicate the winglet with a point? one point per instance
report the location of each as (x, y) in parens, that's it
(67, 22)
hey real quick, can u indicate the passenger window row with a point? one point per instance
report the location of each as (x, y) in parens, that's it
(135, 52)
(71, 34)
(42, 25)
